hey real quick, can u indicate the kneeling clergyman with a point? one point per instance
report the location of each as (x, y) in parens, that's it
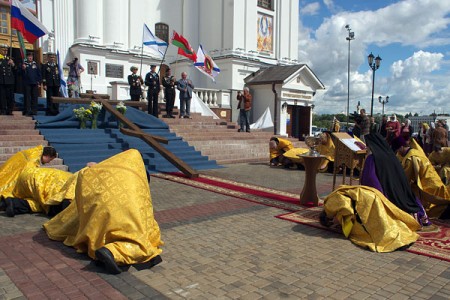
(111, 217)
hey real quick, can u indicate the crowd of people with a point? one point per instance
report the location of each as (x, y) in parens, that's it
(86, 213)
(33, 76)
(169, 84)
(405, 182)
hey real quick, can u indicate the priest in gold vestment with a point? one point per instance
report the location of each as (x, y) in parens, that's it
(369, 219)
(111, 218)
(11, 169)
(42, 189)
(425, 181)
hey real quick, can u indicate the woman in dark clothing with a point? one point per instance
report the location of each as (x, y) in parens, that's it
(383, 171)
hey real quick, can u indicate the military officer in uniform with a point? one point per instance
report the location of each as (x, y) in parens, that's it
(152, 81)
(7, 69)
(31, 74)
(52, 82)
(135, 83)
(169, 92)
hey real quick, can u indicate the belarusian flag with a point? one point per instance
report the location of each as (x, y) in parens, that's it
(184, 48)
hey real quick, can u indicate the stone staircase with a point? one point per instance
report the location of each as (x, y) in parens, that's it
(220, 140)
(18, 133)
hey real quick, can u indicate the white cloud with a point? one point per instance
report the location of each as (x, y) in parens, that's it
(416, 83)
(414, 66)
(310, 9)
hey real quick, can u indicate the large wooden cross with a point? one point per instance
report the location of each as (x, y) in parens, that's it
(133, 130)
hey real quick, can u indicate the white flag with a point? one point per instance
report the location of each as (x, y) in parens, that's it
(156, 46)
(205, 64)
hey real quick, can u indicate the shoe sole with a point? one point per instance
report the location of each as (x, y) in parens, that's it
(109, 265)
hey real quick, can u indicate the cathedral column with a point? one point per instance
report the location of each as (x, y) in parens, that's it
(89, 21)
(115, 30)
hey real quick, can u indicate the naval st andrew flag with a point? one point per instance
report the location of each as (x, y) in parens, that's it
(184, 48)
(25, 22)
(205, 64)
(156, 46)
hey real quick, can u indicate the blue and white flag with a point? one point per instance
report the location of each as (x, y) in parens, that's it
(63, 87)
(155, 45)
(205, 64)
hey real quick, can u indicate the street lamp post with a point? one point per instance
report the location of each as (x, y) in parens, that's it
(351, 36)
(374, 65)
(383, 102)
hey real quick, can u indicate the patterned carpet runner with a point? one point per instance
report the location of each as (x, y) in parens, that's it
(433, 242)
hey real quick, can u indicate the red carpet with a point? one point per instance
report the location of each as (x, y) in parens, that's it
(262, 195)
(434, 243)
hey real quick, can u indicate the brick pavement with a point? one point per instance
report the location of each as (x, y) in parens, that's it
(219, 247)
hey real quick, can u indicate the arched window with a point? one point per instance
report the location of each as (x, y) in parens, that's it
(162, 31)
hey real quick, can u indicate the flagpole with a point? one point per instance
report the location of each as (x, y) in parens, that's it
(142, 52)
(164, 56)
(176, 65)
(11, 29)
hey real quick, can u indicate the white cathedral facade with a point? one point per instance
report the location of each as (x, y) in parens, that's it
(241, 36)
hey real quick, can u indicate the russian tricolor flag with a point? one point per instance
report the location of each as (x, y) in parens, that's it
(24, 21)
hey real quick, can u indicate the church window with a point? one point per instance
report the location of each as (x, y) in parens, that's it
(267, 4)
(4, 22)
(162, 31)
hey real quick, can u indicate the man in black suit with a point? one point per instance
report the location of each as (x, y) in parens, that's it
(7, 69)
(52, 82)
(31, 74)
(169, 92)
(152, 81)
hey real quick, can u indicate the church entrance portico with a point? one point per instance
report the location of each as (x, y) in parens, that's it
(288, 92)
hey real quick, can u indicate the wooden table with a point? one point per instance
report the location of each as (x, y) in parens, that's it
(309, 195)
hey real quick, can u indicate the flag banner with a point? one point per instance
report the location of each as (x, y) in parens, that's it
(63, 87)
(205, 64)
(155, 45)
(25, 22)
(184, 48)
(23, 50)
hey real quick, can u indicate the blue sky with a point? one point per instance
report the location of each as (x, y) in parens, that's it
(411, 36)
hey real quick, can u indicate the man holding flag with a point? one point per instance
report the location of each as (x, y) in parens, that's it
(7, 68)
(158, 48)
(52, 83)
(152, 81)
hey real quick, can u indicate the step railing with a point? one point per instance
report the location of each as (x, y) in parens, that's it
(133, 130)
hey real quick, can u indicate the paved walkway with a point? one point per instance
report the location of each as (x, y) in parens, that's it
(219, 247)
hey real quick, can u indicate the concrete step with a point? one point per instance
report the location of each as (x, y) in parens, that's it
(26, 125)
(15, 116)
(242, 160)
(20, 132)
(30, 137)
(28, 144)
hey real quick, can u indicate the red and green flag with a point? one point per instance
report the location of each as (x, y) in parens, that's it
(23, 50)
(184, 48)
